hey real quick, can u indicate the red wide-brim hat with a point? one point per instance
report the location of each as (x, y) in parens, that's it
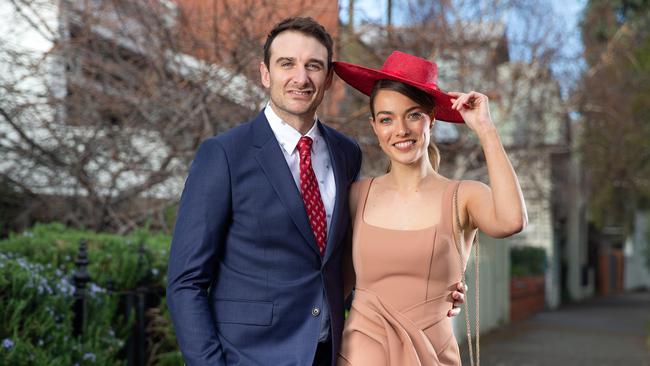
(408, 69)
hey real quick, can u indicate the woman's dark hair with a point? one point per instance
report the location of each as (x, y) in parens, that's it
(304, 25)
(422, 98)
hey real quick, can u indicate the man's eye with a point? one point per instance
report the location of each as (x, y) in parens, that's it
(285, 64)
(314, 67)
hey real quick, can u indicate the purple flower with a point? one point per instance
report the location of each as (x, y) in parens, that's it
(89, 357)
(7, 343)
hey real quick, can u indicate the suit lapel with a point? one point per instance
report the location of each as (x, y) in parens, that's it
(275, 168)
(337, 159)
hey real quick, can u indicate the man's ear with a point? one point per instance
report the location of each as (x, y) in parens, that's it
(330, 77)
(265, 75)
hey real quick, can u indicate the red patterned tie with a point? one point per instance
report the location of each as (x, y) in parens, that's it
(311, 194)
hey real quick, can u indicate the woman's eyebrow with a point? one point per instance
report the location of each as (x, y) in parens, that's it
(412, 108)
(406, 111)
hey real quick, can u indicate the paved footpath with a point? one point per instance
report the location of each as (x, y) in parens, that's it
(605, 331)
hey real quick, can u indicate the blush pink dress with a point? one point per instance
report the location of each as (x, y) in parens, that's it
(404, 280)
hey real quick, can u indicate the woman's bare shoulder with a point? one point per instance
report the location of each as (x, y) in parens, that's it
(355, 188)
(472, 189)
(355, 193)
(360, 182)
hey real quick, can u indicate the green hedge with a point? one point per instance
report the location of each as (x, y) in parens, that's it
(36, 291)
(527, 261)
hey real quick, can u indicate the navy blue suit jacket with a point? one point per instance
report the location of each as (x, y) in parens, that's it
(245, 273)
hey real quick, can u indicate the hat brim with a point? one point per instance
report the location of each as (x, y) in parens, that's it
(363, 79)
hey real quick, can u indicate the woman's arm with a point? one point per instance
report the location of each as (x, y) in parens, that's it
(498, 210)
(349, 277)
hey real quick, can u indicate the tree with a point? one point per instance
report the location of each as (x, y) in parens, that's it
(614, 101)
(103, 103)
(472, 45)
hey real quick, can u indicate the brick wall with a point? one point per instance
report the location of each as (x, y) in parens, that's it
(232, 32)
(526, 297)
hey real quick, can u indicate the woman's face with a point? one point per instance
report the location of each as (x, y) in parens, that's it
(402, 127)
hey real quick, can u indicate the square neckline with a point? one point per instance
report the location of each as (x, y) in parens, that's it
(363, 211)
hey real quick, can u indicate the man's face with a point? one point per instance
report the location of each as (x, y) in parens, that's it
(297, 76)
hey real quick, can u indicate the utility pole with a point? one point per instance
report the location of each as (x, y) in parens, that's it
(350, 15)
(389, 20)
(389, 11)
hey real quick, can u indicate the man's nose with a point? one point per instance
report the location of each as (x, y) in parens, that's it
(300, 76)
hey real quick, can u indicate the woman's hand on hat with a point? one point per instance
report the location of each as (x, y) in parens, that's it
(475, 110)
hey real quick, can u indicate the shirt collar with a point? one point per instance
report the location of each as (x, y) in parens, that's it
(288, 136)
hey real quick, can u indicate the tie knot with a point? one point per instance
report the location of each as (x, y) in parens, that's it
(304, 144)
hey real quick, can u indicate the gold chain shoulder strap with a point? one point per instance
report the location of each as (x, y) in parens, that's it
(461, 252)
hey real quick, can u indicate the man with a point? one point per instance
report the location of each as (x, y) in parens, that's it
(254, 272)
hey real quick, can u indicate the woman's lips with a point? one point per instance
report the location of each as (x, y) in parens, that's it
(404, 145)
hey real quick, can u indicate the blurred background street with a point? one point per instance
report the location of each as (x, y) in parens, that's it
(608, 331)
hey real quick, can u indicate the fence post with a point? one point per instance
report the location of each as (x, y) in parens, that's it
(140, 294)
(110, 285)
(130, 343)
(81, 278)
(136, 301)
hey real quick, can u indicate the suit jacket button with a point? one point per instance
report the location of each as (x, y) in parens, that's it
(315, 311)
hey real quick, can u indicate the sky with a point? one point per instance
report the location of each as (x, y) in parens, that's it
(565, 11)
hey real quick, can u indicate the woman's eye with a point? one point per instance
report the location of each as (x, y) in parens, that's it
(385, 120)
(414, 116)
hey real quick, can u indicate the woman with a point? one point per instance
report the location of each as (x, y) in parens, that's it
(406, 251)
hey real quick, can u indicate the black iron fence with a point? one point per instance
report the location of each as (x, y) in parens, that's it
(135, 302)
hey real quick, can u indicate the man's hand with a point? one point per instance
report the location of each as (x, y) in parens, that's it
(459, 298)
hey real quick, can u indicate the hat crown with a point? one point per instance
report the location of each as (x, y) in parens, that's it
(412, 68)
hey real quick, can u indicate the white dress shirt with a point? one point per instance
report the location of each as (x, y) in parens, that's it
(288, 138)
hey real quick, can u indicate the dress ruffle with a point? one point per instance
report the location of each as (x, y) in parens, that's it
(403, 340)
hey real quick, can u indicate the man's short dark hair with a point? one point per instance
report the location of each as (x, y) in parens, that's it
(304, 25)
